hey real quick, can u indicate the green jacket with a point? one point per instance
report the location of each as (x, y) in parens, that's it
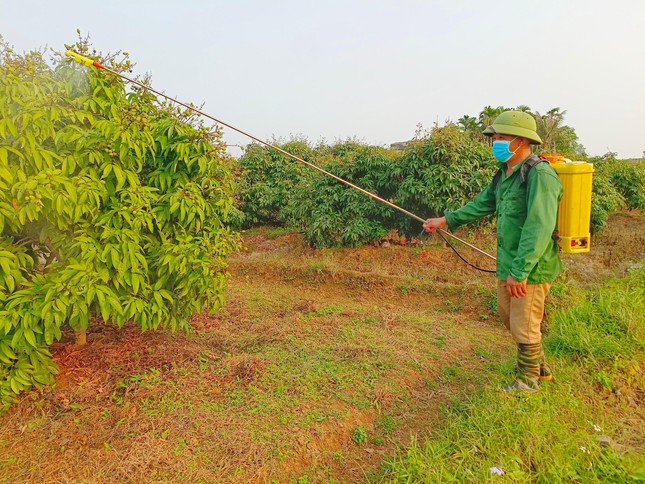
(526, 218)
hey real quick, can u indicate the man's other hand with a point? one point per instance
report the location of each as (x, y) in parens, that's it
(514, 288)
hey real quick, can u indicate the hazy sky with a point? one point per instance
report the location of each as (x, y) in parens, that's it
(370, 69)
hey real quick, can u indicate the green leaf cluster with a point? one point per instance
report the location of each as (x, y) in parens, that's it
(439, 170)
(111, 210)
(627, 176)
(267, 179)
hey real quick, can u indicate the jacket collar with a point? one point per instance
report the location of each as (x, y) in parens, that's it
(504, 166)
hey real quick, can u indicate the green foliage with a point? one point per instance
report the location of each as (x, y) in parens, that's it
(278, 190)
(567, 144)
(442, 169)
(359, 436)
(329, 212)
(556, 136)
(438, 170)
(616, 184)
(628, 177)
(266, 181)
(487, 115)
(111, 208)
(605, 199)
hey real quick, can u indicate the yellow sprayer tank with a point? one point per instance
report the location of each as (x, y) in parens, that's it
(574, 214)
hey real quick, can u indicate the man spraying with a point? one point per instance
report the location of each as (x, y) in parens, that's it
(525, 194)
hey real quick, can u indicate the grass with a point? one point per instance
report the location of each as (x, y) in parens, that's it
(324, 364)
(316, 367)
(603, 322)
(579, 428)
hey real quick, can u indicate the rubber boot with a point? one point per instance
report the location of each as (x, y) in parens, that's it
(545, 372)
(528, 367)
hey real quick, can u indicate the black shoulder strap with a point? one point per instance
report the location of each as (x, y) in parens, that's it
(528, 164)
(496, 178)
(524, 170)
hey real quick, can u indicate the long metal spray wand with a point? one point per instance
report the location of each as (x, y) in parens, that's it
(91, 63)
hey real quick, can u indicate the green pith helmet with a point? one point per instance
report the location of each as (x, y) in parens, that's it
(515, 123)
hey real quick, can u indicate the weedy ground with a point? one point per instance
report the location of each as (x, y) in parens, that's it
(374, 364)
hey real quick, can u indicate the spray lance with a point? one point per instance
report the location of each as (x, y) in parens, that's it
(92, 63)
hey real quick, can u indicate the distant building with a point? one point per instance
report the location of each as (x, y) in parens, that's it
(400, 145)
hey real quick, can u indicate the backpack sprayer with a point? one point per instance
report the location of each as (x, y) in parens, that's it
(578, 242)
(574, 212)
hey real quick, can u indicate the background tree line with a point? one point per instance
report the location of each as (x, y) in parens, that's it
(439, 169)
(556, 136)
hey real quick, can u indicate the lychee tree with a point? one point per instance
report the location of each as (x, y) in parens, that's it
(111, 210)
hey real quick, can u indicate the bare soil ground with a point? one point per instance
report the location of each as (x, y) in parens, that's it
(321, 365)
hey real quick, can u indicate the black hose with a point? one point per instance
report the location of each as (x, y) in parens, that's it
(461, 256)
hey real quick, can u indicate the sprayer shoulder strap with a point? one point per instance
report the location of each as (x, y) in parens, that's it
(524, 170)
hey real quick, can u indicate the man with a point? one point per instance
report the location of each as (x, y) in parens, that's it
(525, 194)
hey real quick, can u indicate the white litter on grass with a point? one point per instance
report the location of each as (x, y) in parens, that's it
(596, 427)
(497, 470)
(584, 449)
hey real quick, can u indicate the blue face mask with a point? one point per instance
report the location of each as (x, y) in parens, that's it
(501, 150)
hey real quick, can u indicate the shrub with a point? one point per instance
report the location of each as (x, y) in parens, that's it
(617, 183)
(266, 181)
(628, 177)
(329, 212)
(111, 207)
(442, 170)
(605, 199)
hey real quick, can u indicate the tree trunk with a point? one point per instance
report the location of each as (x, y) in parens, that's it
(81, 337)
